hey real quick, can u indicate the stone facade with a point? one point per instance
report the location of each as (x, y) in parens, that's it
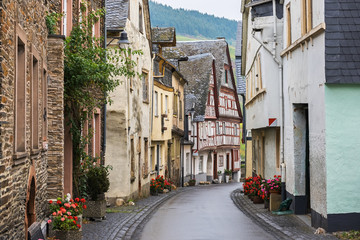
(24, 174)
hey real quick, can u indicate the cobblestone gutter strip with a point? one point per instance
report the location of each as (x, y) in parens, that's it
(123, 223)
(280, 227)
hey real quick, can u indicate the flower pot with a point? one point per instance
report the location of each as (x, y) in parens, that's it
(220, 178)
(95, 209)
(266, 204)
(68, 235)
(227, 177)
(192, 183)
(258, 199)
(274, 190)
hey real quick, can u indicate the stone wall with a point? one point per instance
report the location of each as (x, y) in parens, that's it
(55, 49)
(17, 172)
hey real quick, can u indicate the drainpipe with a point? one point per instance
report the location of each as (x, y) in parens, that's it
(105, 105)
(281, 103)
(244, 132)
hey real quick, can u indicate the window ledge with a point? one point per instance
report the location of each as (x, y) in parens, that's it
(20, 158)
(262, 91)
(304, 39)
(35, 152)
(146, 101)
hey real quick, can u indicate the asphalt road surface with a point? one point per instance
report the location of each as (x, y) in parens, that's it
(204, 213)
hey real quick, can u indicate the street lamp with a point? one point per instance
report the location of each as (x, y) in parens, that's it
(123, 38)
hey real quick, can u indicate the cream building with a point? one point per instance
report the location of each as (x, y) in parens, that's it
(128, 116)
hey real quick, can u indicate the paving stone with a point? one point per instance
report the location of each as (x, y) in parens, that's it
(281, 227)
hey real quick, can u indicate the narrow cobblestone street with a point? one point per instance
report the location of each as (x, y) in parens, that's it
(203, 213)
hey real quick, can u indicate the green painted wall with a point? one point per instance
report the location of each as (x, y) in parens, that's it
(342, 103)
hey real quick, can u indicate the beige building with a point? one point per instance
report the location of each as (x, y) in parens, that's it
(128, 116)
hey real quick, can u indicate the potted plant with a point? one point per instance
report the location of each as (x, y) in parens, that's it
(274, 184)
(97, 183)
(158, 185)
(65, 222)
(228, 172)
(220, 176)
(192, 182)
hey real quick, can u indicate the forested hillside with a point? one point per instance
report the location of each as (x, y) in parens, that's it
(192, 23)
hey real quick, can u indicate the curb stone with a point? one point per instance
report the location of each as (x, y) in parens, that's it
(280, 227)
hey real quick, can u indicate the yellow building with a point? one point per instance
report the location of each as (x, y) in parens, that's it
(168, 110)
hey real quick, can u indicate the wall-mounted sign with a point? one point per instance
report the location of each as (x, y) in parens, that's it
(272, 122)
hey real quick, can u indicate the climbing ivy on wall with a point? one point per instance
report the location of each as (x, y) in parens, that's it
(90, 74)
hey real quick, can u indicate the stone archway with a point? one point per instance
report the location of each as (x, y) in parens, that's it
(30, 213)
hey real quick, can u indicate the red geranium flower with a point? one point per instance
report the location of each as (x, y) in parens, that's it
(50, 201)
(84, 207)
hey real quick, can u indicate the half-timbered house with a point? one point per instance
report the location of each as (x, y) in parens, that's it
(212, 107)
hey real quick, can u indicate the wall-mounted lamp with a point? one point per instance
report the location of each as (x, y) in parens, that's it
(123, 39)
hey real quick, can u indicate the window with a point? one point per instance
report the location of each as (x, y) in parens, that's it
(152, 159)
(221, 161)
(175, 104)
(166, 104)
(44, 105)
(20, 96)
(306, 16)
(226, 76)
(201, 160)
(224, 129)
(97, 134)
(35, 102)
(218, 128)
(156, 104)
(140, 20)
(288, 16)
(161, 104)
(67, 18)
(180, 109)
(187, 163)
(145, 83)
(235, 130)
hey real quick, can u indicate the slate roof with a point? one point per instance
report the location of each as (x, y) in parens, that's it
(197, 71)
(217, 48)
(164, 36)
(116, 14)
(241, 84)
(342, 41)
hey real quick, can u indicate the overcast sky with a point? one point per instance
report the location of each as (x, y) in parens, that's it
(221, 8)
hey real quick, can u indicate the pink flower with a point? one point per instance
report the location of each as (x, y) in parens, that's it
(49, 221)
(54, 214)
(63, 210)
(73, 206)
(62, 219)
(271, 188)
(68, 213)
(67, 205)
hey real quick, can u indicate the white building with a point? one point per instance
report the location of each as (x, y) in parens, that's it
(261, 65)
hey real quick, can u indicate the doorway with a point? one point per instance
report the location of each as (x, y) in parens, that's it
(30, 216)
(209, 168)
(302, 158)
(215, 167)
